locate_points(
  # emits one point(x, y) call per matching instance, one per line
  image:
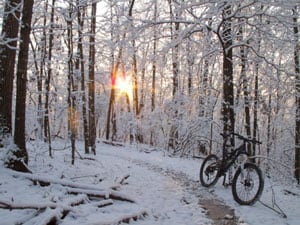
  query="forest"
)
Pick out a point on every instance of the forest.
point(171, 74)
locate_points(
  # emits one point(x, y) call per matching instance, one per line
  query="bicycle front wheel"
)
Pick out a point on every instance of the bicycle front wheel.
point(209, 171)
point(247, 184)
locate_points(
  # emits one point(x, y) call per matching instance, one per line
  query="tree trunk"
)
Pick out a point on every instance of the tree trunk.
point(255, 107)
point(71, 96)
point(297, 86)
point(41, 74)
point(173, 138)
point(134, 65)
point(133, 135)
point(190, 64)
point(153, 83)
point(245, 89)
point(114, 70)
point(20, 116)
point(92, 125)
point(79, 66)
point(10, 28)
point(228, 95)
point(47, 131)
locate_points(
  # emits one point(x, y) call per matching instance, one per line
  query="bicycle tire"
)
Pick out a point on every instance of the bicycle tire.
point(209, 162)
point(247, 184)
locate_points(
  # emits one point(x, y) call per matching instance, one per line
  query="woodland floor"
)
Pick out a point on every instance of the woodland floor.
point(128, 184)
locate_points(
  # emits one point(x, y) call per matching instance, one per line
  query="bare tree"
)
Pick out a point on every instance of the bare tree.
point(228, 94)
point(80, 71)
point(297, 85)
point(175, 70)
point(47, 129)
point(154, 68)
point(111, 116)
point(72, 86)
point(244, 84)
point(92, 53)
point(10, 28)
point(20, 116)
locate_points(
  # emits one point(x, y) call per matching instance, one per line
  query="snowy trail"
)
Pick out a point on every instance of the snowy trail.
point(166, 188)
point(174, 197)
point(218, 201)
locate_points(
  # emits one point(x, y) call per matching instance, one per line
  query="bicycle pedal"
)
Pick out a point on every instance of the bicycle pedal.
point(227, 184)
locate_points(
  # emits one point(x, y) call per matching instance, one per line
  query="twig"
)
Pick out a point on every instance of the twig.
point(103, 203)
point(124, 179)
point(279, 211)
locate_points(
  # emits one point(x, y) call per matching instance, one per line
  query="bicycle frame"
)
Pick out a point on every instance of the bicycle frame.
point(231, 157)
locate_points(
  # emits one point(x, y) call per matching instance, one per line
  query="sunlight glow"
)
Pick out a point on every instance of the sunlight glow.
point(123, 85)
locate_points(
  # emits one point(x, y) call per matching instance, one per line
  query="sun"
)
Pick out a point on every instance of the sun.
point(124, 85)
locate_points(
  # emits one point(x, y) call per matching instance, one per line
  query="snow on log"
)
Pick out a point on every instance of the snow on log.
point(11, 205)
point(102, 203)
point(49, 216)
point(48, 180)
point(127, 218)
point(102, 194)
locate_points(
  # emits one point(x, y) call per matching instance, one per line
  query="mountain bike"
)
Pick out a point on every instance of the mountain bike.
point(247, 183)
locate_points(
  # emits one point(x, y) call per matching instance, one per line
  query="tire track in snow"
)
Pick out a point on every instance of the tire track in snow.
point(215, 209)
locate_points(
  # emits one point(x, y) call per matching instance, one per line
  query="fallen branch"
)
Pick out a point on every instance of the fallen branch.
point(40, 179)
point(118, 184)
point(101, 194)
point(47, 213)
point(113, 143)
point(47, 217)
point(66, 205)
point(38, 206)
point(103, 203)
point(124, 179)
point(126, 218)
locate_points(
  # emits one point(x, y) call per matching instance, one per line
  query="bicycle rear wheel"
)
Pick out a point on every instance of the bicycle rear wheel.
point(247, 184)
point(209, 171)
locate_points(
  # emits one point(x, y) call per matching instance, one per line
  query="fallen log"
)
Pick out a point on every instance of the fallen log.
point(102, 194)
point(126, 218)
point(103, 203)
point(39, 179)
point(113, 143)
point(47, 213)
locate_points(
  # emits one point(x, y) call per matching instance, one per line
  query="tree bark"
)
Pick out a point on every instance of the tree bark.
point(71, 96)
point(47, 130)
point(243, 53)
point(10, 28)
point(79, 66)
point(41, 110)
point(297, 86)
point(114, 70)
point(20, 116)
point(92, 125)
point(153, 82)
point(228, 94)
point(134, 65)
point(173, 137)
point(255, 107)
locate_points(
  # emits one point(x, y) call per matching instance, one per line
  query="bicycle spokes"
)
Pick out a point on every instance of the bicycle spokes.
point(247, 184)
point(209, 171)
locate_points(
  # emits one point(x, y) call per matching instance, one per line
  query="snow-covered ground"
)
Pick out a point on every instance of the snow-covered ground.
point(145, 176)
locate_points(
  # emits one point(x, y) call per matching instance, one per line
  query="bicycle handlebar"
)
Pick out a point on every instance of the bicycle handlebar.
point(254, 141)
